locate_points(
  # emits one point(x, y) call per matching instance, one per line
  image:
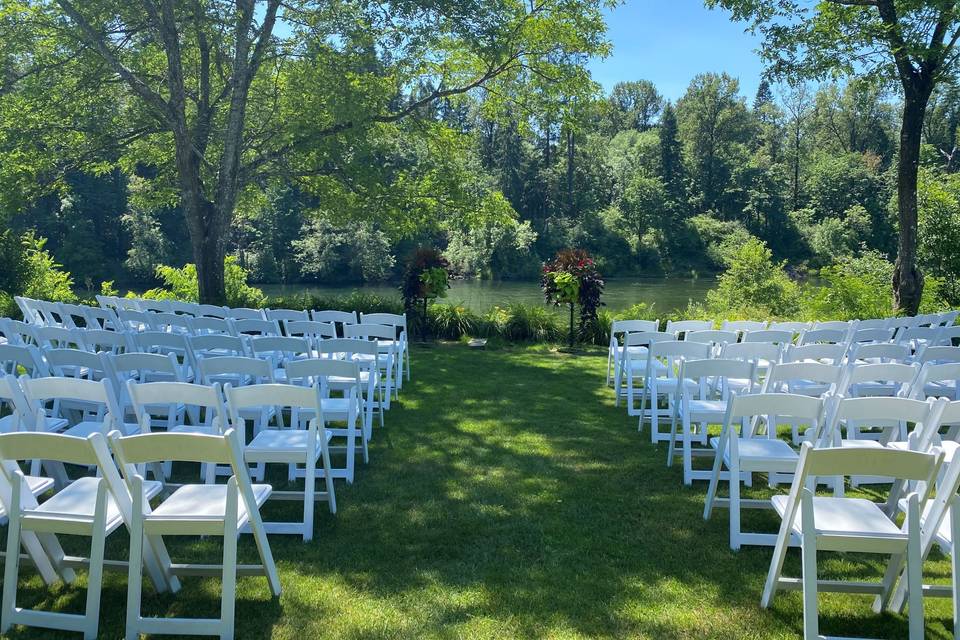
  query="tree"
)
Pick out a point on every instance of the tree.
point(643, 202)
point(217, 98)
point(671, 156)
point(798, 103)
point(635, 105)
point(714, 125)
point(911, 40)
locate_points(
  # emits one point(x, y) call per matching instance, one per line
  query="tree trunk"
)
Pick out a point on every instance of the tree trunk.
point(907, 279)
point(570, 169)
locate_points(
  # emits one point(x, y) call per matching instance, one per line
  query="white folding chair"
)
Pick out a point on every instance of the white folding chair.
point(861, 335)
point(937, 354)
point(714, 337)
point(19, 359)
point(256, 327)
point(773, 336)
point(402, 348)
point(164, 343)
point(212, 311)
point(633, 366)
point(341, 318)
point(242, 313)
point(660, 381)
point(384, 337)
point(824, 353)
point(59, 338)
point(747, 452)
point(618, 334)
point(703, 403)
point(347, 409)
point(280, 350)
point(885, 379)
point(812, 379)
point(793, 327)
point(742, 326)
point(301, 444)
point(937, 380)
point(204, 325)
point(680, 328)
point(312, 331)
point(98, 340)
point(171, 323)
point(850, 525)
point(89, 506)
point(286, 315)
point(194, 510)
point(823, 336)
point(20, 333)
point(363, 353)
point(876, 353)
point(833, 325)
point(184, 308)
point(154, 306)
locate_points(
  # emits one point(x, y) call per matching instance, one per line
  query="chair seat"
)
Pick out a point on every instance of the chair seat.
point(666, 385)
point(866, 444)
point(35, 485)
point(282, 441)
point(843, 517)
point(205, 502)
point(193, 428)
point(760, 449)
point(341, 380)
point(809, 388)
point(638, 364)
point(78, 499)
point(708, 406)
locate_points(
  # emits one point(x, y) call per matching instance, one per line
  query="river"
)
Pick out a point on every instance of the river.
point(667, 294)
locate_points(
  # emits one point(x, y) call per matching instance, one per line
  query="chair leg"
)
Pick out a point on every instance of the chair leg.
point(714, 481)
point(95, 578)
point(914, 569)
point(134, 571)
point(955, 565)
point(687, 453)
point(734, 484)
point(808, 550)
point(228, 595)
point(12, 567)
point(351, 448)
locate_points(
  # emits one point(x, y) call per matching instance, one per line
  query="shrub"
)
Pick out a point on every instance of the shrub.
point(754, 285)
point(571, 278)
point(523, 323)
point(452, 321)
point(182, 284)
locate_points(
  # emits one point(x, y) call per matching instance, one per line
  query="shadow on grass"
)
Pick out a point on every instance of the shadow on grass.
point(508, 497)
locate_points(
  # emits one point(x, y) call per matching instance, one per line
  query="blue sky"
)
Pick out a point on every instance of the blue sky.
point(670, 41)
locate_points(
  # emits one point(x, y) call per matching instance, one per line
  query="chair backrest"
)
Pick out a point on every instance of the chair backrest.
point(156, 306)
point(882, 411)
point(162, 342)
point(781, 375)
point(310, 329)
point(646, 338)
point(98, 340)
point(101, 318)
point(145, 367)
point(947, 374)
point(133, 320)
point(286, 315)
point(948, 318)
point(879, 352)
point(183, 308)
point(245, 313)
point(257, 327)
point(346, 347)
point(769, 335)
point(336, 317)
point(76, 314)
point(212, 311)
point(235, 370)
point(59, 338)
point(370, 331)
point(808, 410)
point(19, 332)
point(918, 336)
point(949, 336)
point(871, 335)
point(713, 336)
point(683, 327)
point(216, 344)
point(894, 379)
point(106, 302)
point(787, 325)
point(280, 349)
point(751, 351)
point(938, 354)
point(205, 325)
point(53, 314)
point(827, 353)
point(127, 304)
point(388, 319)
point(149, 396)
point(674, 350)
point(171, 322)
point(874, 323)
point(12, 395)
point(814, 336)
point(619, 327)
point(40, 391)
point(30, 313)
point(75, 363)
point(832, 325)
point(259, 396)
point(318, 370)
point(26, 356)
point(741, 326)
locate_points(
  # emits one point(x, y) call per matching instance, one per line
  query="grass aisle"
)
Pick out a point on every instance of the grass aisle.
point(508, 498)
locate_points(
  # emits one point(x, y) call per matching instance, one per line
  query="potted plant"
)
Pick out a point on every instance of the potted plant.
point(572, 279)
point(427, 277)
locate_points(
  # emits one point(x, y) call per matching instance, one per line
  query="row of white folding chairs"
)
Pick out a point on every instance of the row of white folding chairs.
point(915, 332)
point(748, 444)
point(264, 359)
point(636, 366)
point(118, 494)
point(303, 338)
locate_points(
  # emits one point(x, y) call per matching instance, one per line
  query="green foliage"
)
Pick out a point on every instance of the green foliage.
point(354, 251)
point(44, 278)
point(854, 288)
point(453, 321)
point(718, 240)
point(939, 229)
point(754, 285)
point(181, 284)
point(436, 281)
point(523, 323)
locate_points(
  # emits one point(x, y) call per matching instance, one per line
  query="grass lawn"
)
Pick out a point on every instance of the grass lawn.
point(508, 498)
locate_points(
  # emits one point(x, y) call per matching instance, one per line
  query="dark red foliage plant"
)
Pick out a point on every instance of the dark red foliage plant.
point(579, 264)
